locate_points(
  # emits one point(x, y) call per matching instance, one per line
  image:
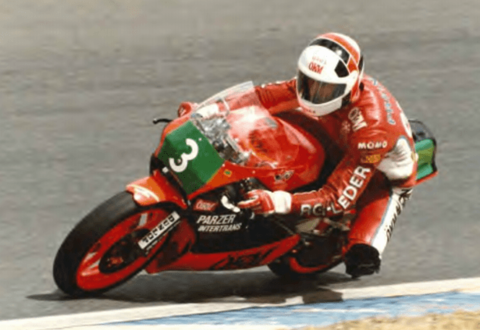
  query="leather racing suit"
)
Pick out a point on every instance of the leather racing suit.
point(375, 166)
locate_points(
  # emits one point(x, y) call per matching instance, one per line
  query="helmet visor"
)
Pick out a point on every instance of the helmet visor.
point(317, 92)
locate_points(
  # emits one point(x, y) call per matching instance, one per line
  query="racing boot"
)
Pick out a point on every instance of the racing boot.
point(362, 259)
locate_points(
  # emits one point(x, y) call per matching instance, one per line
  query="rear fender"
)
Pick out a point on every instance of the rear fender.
point(155, 189)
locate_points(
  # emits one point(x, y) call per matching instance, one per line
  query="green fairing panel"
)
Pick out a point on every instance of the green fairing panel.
point(190, 156)
point(426, 158)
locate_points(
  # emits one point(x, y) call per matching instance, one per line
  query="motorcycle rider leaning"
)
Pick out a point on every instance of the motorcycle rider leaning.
point(370, 135)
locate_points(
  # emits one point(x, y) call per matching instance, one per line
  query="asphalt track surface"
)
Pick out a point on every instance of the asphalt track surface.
point(81, 80)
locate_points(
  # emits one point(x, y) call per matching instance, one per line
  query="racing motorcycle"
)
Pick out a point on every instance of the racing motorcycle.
point(183, 216)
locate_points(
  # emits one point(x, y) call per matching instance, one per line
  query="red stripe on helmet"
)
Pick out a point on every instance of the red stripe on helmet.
point(352, 66)
point(345, 43)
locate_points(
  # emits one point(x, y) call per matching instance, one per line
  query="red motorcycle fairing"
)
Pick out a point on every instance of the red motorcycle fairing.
point(270, 140)
point(155, 189)
point(242, 259)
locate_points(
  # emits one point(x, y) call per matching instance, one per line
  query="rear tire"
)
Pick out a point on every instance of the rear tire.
point(283, 269)
point(101, 253)
point(321, 254)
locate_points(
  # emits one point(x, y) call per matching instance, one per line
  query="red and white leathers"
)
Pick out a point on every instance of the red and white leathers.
point(372, 140)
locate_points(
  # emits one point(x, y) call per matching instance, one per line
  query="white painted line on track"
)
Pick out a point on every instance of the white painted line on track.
point(119, 315)
point(185, 327)
point(413, 289)
point(156, 312)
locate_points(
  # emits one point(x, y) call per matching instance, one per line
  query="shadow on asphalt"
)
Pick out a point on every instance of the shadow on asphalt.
point(225, 287)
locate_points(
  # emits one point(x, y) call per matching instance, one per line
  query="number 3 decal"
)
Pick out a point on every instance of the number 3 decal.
point(184, 158)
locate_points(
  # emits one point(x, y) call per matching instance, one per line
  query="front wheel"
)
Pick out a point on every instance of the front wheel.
point(102, 251)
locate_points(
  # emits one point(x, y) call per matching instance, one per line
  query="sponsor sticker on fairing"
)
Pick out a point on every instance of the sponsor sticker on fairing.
point(218, 223)
point(205, 205)
point(165, 225)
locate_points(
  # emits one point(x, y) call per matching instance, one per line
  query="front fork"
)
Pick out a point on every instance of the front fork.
point(158, 190)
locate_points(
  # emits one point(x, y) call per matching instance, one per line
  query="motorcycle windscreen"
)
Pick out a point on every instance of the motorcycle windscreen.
point(266, 139)
point(190, 156)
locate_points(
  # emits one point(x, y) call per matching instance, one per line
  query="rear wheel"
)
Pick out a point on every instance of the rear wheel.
point(102, 251)
point(318, 255)
point(287, 268)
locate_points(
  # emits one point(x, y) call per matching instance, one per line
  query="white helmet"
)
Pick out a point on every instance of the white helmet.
point(329, 73)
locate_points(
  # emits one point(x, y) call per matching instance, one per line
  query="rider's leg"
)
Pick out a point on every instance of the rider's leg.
point(377, 212)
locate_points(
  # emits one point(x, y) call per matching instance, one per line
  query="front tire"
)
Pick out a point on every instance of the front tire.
point(101, 252)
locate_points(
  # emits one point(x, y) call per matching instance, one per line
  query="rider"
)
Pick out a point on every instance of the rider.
point(369, 135)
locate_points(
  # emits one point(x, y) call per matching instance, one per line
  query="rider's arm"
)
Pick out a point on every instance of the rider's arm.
point(347, 182)
point(341, 191)
point(275, 97)
point(278, 97)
